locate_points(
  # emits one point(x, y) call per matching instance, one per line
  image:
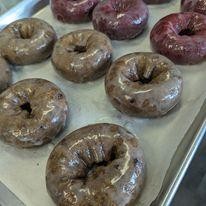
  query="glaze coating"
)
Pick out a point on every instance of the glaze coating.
point(32, 113)
point(120, 19)
point(156, 1)
point(181, 37)
point(6, 75)
point(71, 11)
point(143, 84)
point(83, 55)
point(27, 41)
point(100, 164)
point(194, 5)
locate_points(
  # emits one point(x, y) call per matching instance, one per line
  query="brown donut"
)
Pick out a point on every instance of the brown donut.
point(143, 84)
point(32, 113)
point(100, 164)
point(82, 55)
point(6, 75)
point(27, 41)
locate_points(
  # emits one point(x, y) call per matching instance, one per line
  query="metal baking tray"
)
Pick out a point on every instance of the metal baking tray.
point(169, 142)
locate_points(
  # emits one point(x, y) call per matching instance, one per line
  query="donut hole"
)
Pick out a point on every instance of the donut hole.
point(140, 75)
point(95, 165)
point(132, 101)
point(186, 32)
point(26, 107)
point(144, 80)
point(145, 70)
point(114, 153)
point(95, 168)
point(26, 31)
point(80, 49)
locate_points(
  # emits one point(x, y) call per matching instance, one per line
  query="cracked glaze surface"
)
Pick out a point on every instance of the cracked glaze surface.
point(27, 41)
point(143, 84)
point(120, 19)
point(100, 164)
point(32, 113)
point(82, 55)
point(6, 75)
point(194, 5)
point(73, 11)
point(181, 37)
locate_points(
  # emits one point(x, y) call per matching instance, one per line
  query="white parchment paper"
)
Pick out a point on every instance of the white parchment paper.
point(23, 171)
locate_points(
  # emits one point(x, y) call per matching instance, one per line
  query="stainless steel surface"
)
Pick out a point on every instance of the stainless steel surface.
point(24, 9)
point(5, 5)
point(182, 159)
point(7, 198)
point(186, 148)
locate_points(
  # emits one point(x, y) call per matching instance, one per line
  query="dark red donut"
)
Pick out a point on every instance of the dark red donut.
point(156, 1)
point(181, 37)
point(194, 5)
point(73, 11)
point(120, 19)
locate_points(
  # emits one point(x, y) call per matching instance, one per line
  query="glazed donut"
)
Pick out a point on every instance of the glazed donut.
point(143, 84)
point(27, 41)
point(194, 5)
point(71, 11)
point(181, 37)
point(120, 19)
point(6, 75)
point(32, 113)
point(156, 1)
point(82, 55)
point(100, 164)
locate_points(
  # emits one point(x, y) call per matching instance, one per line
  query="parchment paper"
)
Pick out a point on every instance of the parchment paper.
point(23, 171)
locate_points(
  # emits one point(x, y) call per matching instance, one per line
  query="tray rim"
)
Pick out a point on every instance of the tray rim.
point(23, 9)
point(195, 133)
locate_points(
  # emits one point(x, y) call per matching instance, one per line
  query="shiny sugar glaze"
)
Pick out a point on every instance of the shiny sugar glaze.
point(100, 164)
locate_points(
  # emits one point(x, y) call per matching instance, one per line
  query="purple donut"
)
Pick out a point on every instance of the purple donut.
point(73, 11)
point(194, 5)
point(181, 37)
point(120, 19)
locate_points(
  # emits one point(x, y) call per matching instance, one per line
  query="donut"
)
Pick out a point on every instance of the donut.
point(156, 1)
point(194, 5)
point(181, 37)
point(32, 113)
point(71, 11)
point(6, 75)
point(100, 164)
point(143, 84)
point(120, 19)
point(27, 41)
point(82, 56)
